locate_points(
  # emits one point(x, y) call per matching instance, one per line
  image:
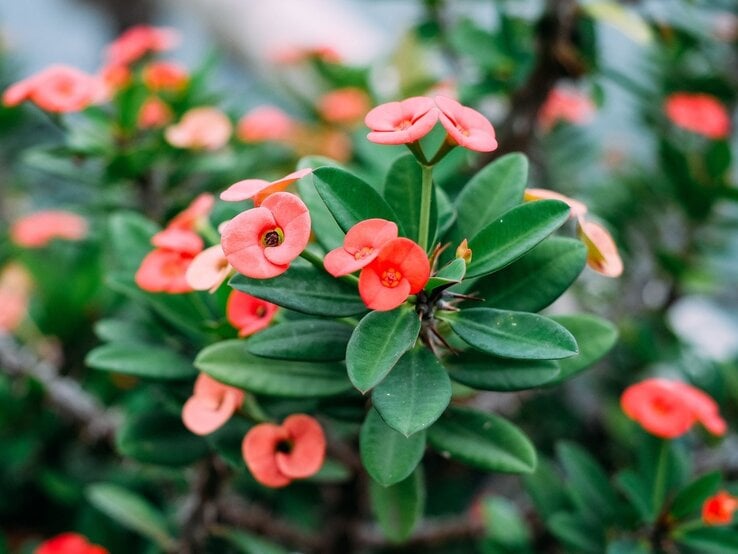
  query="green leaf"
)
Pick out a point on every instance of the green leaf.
point(326, 230)
point(595, 337)
point(123, 331)
point(482, 440)
point(129, 237)
point(547, 489)
point(518, 335)
point(378, 341)
point(574, 532)
point(495, 189)
point(691, 497)
point(711, 540)
point(159, 438)
point(505, 524)
point(448, 275)
point(311, 340)
point(305, 288)
point(535, 280)
point(398, 508)
point(131, 511)
point(388, 456)
point(481, 371)
point(628, 546)
point(248, 543)
point(637, 492)
point(403, 191)
point(348, 198)
point(230, 362)
point(513, 234)
point(414, 394)
point(142, 360)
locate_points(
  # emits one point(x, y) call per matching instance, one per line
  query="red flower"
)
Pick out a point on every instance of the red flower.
point(211, 405)
point(164, 269)
point(58, 89)
point(565, 104)
point(401, 122)
point(69, 543)
point(265, 123)
point(699, 113)
point(249, 314)
point(261, 242)
point(38, 229)
point(200, 129)
point(259, 189)
point(162, 75)
point(344, 106)
point(360, 247)
point(136, 42)
point(400, 269)
point(602, 252)
point(154, 113)
point(191, 217)
point(578, 209)
point(465, 126)
point(719, 509)
point(668, 409)
point(277, 454)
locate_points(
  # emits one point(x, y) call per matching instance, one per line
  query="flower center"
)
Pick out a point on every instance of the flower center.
point(260, 311)
point(363, 253)
point(391, 278)
point(404, 124)
point(273, 237)
point(463, 131)
point(284, 446)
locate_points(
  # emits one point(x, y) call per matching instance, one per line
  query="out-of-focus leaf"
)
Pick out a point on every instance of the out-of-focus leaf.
point(398, 508)
point(595, 337)
point(143, 360)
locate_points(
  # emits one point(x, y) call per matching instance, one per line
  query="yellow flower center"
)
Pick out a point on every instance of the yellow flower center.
point(391, 278)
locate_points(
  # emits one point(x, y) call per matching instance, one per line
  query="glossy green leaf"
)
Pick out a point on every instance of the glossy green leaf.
point(484, 372)
point(535, 280)
point(305, 288)
point(482, 440)
point(143, 360)
point(403, 191)
point(388, 456)
point(513, 234)
point(710, 540)
point(306, 339)
point(230, 362)
point(398, 508)
point(159, 438)
point(325, 228)
point(414, 394)
point(131, 511)
point(448, 275)
point(378, 341)
point(519, 335)
point(348, 198)
point(690, 498)
point(495, 189)
point(595, 337)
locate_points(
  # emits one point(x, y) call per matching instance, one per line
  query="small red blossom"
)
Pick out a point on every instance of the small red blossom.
point(344, 106)
point(668, 409)
point(164, 268)
point(69, 543)
point(602, 252)
point(208, 269)
point(265, 123)
point(38, 229)
point(249, 314)
point(115, 77)
point(195, 214)
point(277, 454)
point(466, 126)
point(179, 240)
point(154, 113)
point(578, 209)
point(138, 41)
point(202, 128)
point(401, 268)
point(163, 75)
point(58, 89)
point(401, 122)
point(699, 113)
point(360, 247)
point(211, 405)
point(565, 104)
point(259, 189)
point(261, 242)
point(719, 509)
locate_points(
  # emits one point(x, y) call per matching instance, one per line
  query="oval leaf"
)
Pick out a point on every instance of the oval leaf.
point(398, 508)
point(310, 340)
point(480, 371)
point(141, 360)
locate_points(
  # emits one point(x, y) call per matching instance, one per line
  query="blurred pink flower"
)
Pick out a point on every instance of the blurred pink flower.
point(203, 128)
point(602, 252)
point(15, 289)
point(195, 214)
point(58, 89)
point(699, 113)
point(154, 113)
point(265, 123)
point(466, 126)
point(578, 209)
point(401, 122)
point(208, 269)
point(136, 42)
point(296, 54)
point(211, 405)
point(344, 106)
point(40, 228)
point(565, 104)
point(164, 75)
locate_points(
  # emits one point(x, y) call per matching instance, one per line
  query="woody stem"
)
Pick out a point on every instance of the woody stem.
point(425, 206)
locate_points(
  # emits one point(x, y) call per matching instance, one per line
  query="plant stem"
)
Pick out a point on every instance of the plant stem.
point(425, 206)
point(662, 469)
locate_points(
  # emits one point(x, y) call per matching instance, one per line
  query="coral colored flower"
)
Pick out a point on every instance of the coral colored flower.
point(179, 240)
point(295, 54)
point(565, 104)
point(699, 113)
point(602, 252)
point(719, 509)
point(360, 247)
point(200, 129)
point(195, 214)
point(211, 405)
point(40, 228)
point(265, 123)
point(115, 77)
point(578, 209)
point(162, 75)
point(401, 122)
point(400, 269)
point(138, 41)
point(58, 89)
point(154, 113)
point(15, 289)
point(344, 106)
point(164, 268)
point(668, 409)
point(277, 454)
point(249, 314)
point(466, 126)
point(259, 189)
point(261, 242)
point(69, 543)
point(208, 269)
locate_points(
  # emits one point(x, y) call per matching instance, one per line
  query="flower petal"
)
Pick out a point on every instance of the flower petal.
point(258, 448)
point(308, 447)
